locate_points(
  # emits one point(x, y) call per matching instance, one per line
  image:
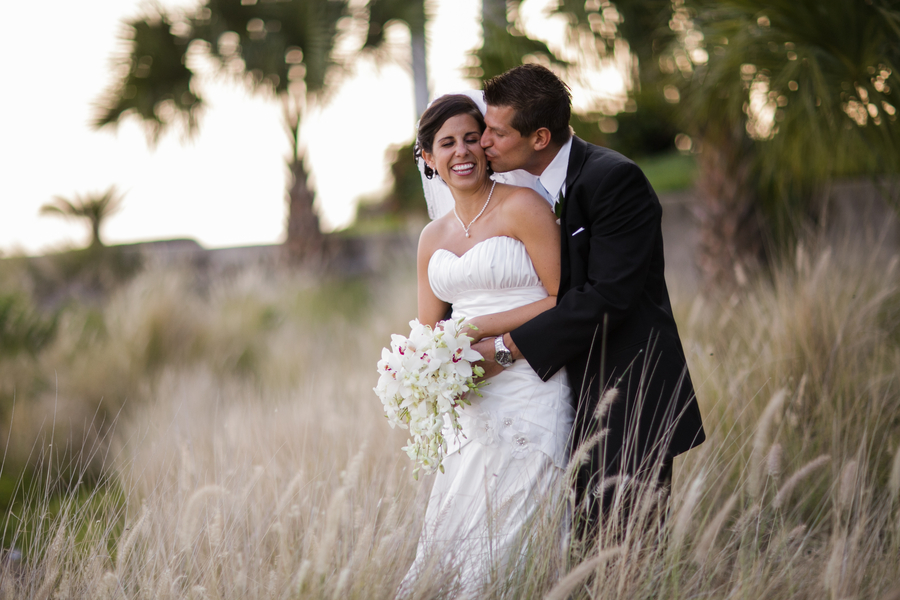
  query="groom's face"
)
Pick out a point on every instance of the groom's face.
point(504, 146)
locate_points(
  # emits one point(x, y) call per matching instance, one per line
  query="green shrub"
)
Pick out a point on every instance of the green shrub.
point(23, 329)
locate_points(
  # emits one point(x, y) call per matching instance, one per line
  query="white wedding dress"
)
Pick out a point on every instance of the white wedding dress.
point(516, 443)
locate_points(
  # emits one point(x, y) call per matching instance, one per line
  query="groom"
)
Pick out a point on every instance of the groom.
point(612, 327)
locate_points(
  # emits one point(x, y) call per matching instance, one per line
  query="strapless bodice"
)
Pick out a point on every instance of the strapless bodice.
point(515, 409)
point(494, 275)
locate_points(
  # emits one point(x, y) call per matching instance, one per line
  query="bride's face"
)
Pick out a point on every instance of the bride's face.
point(456, 154)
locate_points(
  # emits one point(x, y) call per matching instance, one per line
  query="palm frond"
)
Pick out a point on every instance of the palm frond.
point(644, 24)
point(156, 83)
point(505, 45)
point(270, 45)
point(382, 12)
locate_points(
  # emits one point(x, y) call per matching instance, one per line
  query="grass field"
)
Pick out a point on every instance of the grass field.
point(223, 441)
point(670, 172)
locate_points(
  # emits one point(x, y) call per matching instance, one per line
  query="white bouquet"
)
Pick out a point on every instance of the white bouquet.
point(424, 379)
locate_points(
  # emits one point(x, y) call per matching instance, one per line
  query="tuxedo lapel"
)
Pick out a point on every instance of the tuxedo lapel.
point(576, 161)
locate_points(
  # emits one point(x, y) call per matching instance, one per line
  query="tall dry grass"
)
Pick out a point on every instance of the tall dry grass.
point(275, 476)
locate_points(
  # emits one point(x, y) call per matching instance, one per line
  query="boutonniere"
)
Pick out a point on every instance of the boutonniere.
point(557, 208)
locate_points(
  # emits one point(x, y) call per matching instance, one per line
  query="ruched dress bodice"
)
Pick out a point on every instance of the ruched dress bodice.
point(516, 408)
point(494, 275)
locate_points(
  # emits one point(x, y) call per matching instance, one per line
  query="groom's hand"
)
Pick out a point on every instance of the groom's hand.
point(485, 347)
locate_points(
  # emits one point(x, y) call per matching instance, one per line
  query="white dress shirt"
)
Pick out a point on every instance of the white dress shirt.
point(553, 179)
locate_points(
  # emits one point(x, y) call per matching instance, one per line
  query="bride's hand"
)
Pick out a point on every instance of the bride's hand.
point(475, 331)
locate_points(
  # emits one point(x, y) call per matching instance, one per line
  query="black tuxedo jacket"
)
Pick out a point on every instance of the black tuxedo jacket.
point(613, 324)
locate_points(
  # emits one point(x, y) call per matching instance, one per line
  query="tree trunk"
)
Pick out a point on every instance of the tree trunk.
point(419, 68)
point(304, 237)
point(95, 233)
point(493, 12)
point(493, 21)
point(731, 245)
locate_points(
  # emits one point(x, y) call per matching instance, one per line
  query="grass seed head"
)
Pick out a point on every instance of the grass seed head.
point(708, 537)
point(577, 576)
point(784, 492)
point(848, 485)
point(894, 479)
point(607, 400)
point(760, 441)
point(685, 513)
point(773, 460)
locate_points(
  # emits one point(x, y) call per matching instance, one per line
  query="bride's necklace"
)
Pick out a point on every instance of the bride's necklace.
point(483, 208)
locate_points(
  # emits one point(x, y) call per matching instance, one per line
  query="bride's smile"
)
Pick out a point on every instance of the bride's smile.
point(463, 169)
point(457, 155)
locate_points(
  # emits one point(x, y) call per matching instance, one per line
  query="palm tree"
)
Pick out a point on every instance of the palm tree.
point(504, 44)
point(781, 97)
point(282, 49)
point(415, 15)
point(790, 95)
point(94, 208)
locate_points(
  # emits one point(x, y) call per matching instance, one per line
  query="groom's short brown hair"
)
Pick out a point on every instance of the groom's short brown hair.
point(539, 98)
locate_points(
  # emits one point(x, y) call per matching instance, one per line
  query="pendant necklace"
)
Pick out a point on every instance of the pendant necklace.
point(483, 208)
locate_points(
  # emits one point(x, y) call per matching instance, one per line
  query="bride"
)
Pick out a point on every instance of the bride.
point(493, 258)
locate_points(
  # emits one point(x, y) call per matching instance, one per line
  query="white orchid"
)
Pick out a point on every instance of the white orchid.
point(423, 379)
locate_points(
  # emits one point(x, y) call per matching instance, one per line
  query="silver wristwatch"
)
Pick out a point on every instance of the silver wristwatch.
point(502, 355)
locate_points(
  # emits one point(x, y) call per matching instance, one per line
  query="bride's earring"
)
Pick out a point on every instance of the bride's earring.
point(429, 172)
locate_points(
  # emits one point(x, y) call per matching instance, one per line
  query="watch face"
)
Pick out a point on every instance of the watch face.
point(503, 358)
point(501, 353)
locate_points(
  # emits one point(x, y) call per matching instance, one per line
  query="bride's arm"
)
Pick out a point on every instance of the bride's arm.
point(529, 219)
point(431, 308)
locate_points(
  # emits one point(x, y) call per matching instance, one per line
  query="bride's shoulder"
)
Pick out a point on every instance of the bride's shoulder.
point(525, 200)
point(524, 196)
point(432, 235)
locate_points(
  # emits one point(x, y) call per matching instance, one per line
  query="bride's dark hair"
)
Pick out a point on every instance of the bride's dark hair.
point(434, 117)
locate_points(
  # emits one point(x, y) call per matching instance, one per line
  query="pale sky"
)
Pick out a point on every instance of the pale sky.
point(226, 187)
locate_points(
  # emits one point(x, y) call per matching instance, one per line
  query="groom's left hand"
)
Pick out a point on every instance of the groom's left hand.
point(485, 347)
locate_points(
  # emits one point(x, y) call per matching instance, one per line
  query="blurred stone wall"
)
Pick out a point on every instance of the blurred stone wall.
point(857, 211)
